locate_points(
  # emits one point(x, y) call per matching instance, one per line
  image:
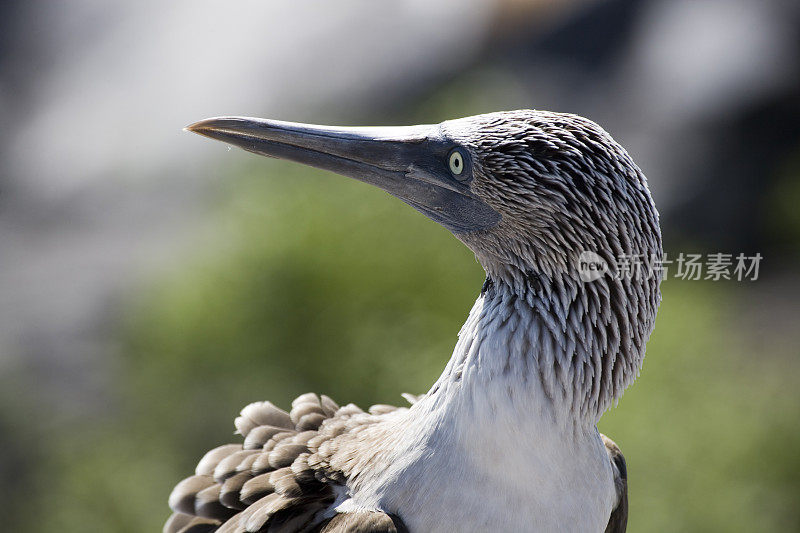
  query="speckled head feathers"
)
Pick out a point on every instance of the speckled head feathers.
point(562, 186)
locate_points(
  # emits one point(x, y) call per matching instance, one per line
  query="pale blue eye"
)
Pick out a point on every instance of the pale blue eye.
point(456, 163)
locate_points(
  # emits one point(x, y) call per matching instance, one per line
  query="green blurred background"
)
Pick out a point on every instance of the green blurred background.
point(283, 280)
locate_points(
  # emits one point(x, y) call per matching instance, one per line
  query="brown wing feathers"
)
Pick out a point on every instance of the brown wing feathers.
point(618, 522)
point(266, 483)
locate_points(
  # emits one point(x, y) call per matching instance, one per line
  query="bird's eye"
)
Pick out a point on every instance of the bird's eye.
point(456, 162)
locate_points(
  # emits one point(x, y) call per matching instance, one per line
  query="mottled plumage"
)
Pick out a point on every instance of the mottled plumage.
point(506, 439)
point(280, 476)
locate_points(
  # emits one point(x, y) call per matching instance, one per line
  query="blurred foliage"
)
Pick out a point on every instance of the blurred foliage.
point(313, 282)
point(489, 89)
point(709, 430)
point(782, 214)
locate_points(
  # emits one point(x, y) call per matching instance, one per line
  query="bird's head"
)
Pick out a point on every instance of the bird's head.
point(528, 191)
point(535, 195)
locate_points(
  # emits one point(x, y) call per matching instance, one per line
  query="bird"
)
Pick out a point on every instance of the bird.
point(506, 439)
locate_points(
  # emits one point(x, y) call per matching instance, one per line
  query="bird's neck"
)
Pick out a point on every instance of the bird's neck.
point(560, 347)
point(514, 411)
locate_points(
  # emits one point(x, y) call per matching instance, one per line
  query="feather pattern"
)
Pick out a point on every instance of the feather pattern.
point(506, 439)
point(291, 485)
point(277, 479)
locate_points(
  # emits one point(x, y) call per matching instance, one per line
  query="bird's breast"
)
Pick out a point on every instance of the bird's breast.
point(495, 479)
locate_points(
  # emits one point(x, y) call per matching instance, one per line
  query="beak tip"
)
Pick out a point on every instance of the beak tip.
point(215, 127)
point(196, 127)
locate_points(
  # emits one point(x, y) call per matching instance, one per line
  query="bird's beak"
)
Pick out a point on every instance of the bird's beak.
point(409, 162)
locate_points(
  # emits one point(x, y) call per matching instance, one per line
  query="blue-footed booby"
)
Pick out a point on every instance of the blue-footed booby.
point(506, 439)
